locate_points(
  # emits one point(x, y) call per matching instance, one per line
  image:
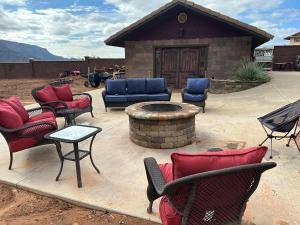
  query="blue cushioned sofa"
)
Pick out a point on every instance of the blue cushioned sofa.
point(196, 92)
point(122, 93)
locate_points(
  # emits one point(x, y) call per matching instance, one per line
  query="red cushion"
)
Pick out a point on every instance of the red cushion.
point(64, 92)
point(19, 144)
point(47, 94)
point(168, 214)
point(43, 115)
point(187, 164)
point(78, 103)
point(15, 103)
point(9, 118)
point(167, 171)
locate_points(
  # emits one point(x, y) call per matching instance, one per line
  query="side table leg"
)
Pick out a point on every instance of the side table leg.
point(91, 144)
point(77, 164)
point(58, 149)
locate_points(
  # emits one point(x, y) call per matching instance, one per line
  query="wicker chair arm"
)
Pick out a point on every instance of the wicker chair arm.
point(27, 126)
point(154, 175)
point(48, 104)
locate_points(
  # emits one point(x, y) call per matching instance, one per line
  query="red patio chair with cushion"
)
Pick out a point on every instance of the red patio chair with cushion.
point(207, 188)
point(63, 101)
point(23, 129)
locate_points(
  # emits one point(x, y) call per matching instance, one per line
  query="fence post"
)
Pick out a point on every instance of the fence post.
point(31, 61)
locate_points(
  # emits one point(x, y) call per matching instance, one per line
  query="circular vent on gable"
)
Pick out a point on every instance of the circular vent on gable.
point(182, 17)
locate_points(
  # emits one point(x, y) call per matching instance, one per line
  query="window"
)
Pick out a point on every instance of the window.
point(297, 39)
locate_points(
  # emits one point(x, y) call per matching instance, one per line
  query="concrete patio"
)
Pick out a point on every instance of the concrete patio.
point(230, 120)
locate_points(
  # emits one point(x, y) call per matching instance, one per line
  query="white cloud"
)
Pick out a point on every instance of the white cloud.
point(79, 30)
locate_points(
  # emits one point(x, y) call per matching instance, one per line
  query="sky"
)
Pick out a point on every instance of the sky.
point(78, 28)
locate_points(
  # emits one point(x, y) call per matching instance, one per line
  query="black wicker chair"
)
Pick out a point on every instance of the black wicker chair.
point(30, 135)
point(282, 123)
point(214, 197)
point(62, 109)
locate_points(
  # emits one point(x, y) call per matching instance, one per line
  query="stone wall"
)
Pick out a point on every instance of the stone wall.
point(224, 54)
point(229, 86)
point(51, 69)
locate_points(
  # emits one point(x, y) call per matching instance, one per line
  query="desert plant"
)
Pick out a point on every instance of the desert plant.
point(251, 71)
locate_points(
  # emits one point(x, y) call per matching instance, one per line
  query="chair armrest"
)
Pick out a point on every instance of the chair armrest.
point(169, 92)
point(39, 110)
point(27, 126)
point(48, 104)
point(103, 94)
point(205, 93)
point(154, 176)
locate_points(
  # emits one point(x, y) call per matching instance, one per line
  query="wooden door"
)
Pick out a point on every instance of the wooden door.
point(178, 64)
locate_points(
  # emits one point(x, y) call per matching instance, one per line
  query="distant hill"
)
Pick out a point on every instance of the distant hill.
point(18, 52)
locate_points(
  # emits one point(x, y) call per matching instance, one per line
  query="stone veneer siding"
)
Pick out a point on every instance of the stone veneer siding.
point(224, 54)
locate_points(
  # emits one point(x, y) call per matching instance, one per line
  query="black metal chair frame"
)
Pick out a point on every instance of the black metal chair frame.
point(199, 104)
point(17, 132)
point(157, 186)
point(68, 114)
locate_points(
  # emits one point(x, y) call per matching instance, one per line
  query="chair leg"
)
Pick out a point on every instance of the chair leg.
point(149, 209)
point(11, 160)
point(264, 141)
point(203, 109)
point(105, 109)
point(297, 144)
point(92, 114)
point(271, 156)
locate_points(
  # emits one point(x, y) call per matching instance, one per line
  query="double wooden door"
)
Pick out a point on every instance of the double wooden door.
point(178, 64)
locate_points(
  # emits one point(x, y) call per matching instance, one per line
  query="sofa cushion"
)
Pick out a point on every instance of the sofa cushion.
point(167, 171)
point(9, 118)
point(155, 85)
point(193, 97)
point(168, 214)
point(159, 97)
point(116, 98)
point(115, 87)
point(137, 98)
point(63, 92)
point(15, 103)
point(19, 144)
point(136, 86)
point(47, 94)
point(197, 85)
point(185, 164)
point(43, 115)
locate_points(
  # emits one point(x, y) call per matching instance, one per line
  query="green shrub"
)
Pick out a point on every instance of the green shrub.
point(251, 71)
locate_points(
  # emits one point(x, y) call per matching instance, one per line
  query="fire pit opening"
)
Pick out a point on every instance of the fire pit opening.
point(157, 107)
point(162, 124)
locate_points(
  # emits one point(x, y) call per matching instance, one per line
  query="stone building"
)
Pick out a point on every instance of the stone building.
point(182, 39)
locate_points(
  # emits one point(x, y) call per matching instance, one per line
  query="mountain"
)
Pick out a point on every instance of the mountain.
point(18, 52)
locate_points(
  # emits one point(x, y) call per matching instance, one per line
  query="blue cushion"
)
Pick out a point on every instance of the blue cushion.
point(136, 86)
point(115, 98)
point(197, 85)
point(155, 85)
point(159, 97)
point(115, 87)
point(137, 98)
point(193, 97)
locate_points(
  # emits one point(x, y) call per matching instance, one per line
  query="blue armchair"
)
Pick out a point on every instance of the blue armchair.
point(196, 92)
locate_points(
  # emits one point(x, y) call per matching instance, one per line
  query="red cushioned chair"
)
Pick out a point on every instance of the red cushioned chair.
point(23, 129)
point(63, 101)
point(216, 194)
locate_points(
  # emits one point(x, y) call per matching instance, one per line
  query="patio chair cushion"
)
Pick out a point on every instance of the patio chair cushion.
point(159, 97)
point(167, 171)
point(47, 94)
point(15, 103)
point(197, 85)
point(168, 214)
point(155, 85)
point(136, 86)
point(193, 97)
point(116, 98)
point(63, 92)
point(115, 87)
point(137, 98)
point(9, 118)
point(78, 103)
point(42, 116)
point(185, 164)
point(19, 144)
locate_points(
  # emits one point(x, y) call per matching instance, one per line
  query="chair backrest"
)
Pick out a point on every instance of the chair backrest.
point(197, 85)
point(215, 197)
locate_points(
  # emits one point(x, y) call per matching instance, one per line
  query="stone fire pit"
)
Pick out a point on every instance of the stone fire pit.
point(162, 125)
